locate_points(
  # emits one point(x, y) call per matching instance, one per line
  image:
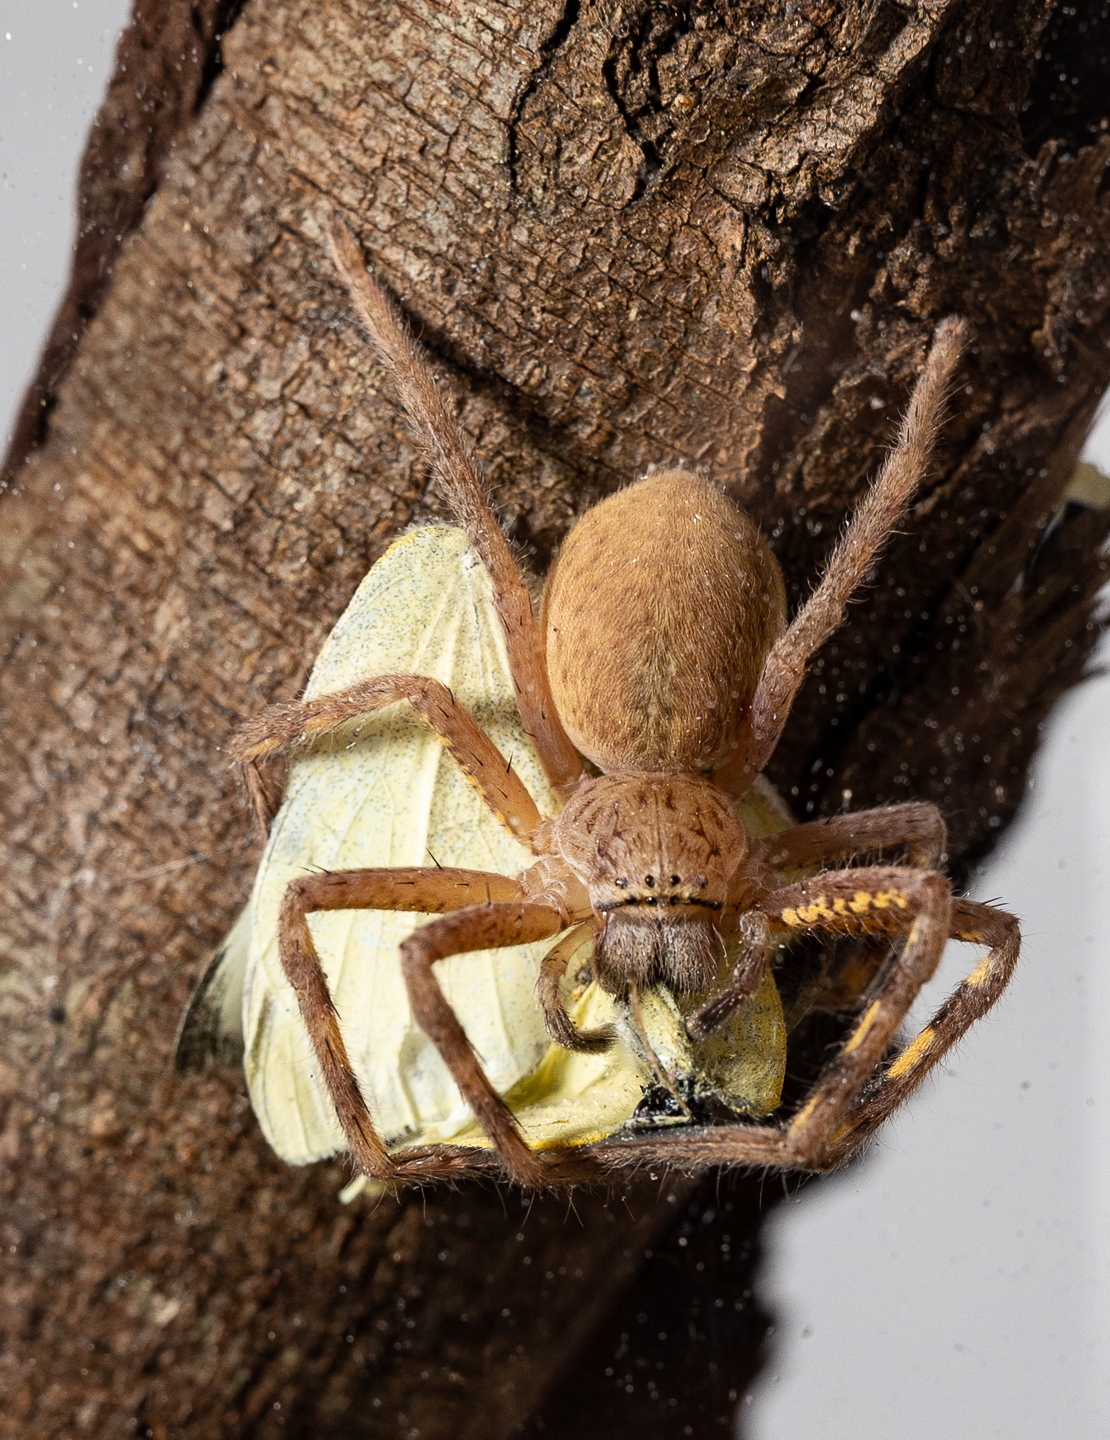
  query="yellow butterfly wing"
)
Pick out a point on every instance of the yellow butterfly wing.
point(384, 792)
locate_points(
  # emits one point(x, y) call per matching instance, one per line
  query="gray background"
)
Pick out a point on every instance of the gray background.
point(955, 1287)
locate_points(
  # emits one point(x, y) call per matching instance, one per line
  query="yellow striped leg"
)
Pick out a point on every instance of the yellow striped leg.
point(978, 924)
point(892, 900)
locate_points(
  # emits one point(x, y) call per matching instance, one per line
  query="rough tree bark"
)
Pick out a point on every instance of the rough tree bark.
point(702, 232)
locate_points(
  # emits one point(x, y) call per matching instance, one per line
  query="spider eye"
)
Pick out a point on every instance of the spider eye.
point(674, 879)
point(621, 882)
point(649, 880)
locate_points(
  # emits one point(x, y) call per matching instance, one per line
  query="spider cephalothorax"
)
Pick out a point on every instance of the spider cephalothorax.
point(656, 854)
point(665, 662)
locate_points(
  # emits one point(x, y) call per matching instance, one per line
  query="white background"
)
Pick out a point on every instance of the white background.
point(956, 1286)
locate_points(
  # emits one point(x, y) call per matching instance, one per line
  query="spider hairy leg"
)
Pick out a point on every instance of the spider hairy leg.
point(468, 745)
point(877, 514)
point(916, 827)
point(977, 924)
point(412, 888)
point(442, 441)
point(747, 976)
point(484, 927)
point(556, 1020)
point(871, 900)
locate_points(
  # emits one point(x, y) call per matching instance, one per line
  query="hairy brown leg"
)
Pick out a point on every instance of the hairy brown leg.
point(877, 514)
point(915, 827)
point(557, 1022)
point(892, 900)
point(479, 927)
point(747, 976)
point(978, 924)
point(448, 453)
point(265, 794)
point(430, 891)
point(470, 747)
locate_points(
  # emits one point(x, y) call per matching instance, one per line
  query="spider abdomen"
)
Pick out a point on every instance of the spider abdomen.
point(659, 613)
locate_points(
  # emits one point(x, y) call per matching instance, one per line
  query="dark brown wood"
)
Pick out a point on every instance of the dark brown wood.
point(709, 234)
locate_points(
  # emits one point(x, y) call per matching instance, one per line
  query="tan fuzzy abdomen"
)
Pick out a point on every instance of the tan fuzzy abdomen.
point(659, 613)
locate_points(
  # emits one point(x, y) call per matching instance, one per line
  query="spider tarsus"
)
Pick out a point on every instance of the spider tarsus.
point(711, 1017)
point(583, 1042)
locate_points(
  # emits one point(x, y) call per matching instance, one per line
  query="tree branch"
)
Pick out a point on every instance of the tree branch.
point(639, 235)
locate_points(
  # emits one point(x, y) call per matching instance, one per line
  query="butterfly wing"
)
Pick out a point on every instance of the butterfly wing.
point(384, 792)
